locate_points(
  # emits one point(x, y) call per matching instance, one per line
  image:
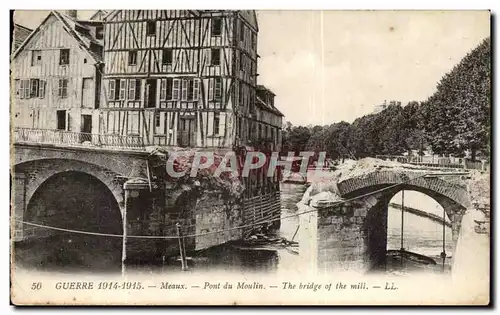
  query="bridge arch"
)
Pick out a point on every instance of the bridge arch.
point(36, 172)
point(364, 213)
point(435, 187)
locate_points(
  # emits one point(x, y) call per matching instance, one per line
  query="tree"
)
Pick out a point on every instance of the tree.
point(459, 112)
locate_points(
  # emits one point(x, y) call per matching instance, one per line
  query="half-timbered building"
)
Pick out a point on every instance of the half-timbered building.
point(56, 75)
point(180, 78)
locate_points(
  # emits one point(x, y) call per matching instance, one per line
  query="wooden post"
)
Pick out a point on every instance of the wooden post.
point(124, 238)
point(443, 254)
point(402, 224)
point(181, 249)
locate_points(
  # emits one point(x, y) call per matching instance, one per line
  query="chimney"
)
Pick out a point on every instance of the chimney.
point(72, 14)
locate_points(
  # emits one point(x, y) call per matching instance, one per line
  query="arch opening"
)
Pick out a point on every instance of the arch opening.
point(419, 230)
point(74, 201)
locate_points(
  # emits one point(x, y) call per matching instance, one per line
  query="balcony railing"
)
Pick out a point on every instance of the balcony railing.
point(62, 137)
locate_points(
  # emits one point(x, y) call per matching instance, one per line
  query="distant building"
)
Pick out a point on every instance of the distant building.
point(381, 107)
point(56, 75)
point(20, 33)
point(268, 120)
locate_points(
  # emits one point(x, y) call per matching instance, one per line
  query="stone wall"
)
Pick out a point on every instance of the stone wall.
point(213, 213)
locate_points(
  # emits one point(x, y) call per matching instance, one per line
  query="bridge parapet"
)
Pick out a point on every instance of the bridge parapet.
point(69, 138)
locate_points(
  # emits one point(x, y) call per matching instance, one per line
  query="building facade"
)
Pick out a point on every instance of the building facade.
point(181, 78)
point(56, 75)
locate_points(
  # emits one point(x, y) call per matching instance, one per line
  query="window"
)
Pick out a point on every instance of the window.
point(216, 26)
point(61, 120)
point(215, 89)
point(218, 88)
point(134, 89)
point(64, 57)
point(151, 28)
point(166, 57)
point(99, 32)
point(242, 31)
point(216, 123)
point(254, 41)
point(176, 89)
point(190, 89)
point(123, 89)
point(36, 57)
point(112, 89)
point(24, 89)
point(157, 119)
point(166, 89)
point(34, 87)
point(215, 56)
point(132, 58)
point(63, 88)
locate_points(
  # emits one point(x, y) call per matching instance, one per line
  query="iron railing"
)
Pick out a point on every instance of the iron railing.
point(62, 137)
point(428, 161)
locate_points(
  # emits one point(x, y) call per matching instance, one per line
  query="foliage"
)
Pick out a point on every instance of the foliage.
point(453, 120)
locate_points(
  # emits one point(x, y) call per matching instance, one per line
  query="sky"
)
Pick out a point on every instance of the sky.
point(331, 66)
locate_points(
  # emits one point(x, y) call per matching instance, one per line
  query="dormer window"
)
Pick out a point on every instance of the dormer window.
point(151, 28)
point(99, 32)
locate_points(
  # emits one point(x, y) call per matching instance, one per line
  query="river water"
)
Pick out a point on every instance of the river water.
point(88, 254)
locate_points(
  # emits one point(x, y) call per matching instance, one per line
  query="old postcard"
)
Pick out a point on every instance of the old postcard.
point(246, 157)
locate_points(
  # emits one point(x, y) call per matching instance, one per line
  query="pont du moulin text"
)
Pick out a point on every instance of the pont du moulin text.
point(238, 286)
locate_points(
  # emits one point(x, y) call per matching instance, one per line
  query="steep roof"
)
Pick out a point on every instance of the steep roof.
point(99, 15)
point(19, 36)
point(111, 14)
point(78, 31)
point(267, 107)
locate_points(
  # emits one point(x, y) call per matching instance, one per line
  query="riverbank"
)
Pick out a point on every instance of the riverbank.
point(421, 213)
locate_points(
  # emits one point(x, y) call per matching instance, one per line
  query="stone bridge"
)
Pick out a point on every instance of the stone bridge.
point(349, 230)
point(85, 188)
point(61, 182)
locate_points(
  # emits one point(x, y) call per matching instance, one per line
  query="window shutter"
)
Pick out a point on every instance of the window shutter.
point(42, 89)
point(218, 88)
point(176, 89)
point(112, 87)
point(163, 89)
point(27, 89)
point(123, 88)
point(211, 89)
point(131, 89)
point(210, 122)
point(60, 88)
point(196, 89)
point(137, 89)
point(222, 123)
point(184, 89)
